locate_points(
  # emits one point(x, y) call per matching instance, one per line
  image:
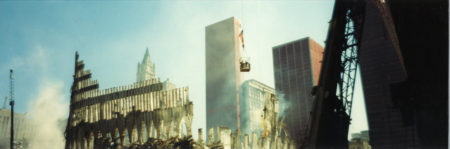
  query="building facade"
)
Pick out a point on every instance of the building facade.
point(360, 140)
point(359, 144)
point(223, 51)
point(256, 99)
point(361, 135)
point(146, 70)
point(297, 67)
point(22, 128)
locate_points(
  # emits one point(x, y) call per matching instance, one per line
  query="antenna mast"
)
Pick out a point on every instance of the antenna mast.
point(11, 102)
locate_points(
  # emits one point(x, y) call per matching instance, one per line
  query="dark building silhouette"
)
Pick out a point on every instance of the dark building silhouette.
point(297, 67)
point(382, 66)
point(422, 28)
point(404, 68)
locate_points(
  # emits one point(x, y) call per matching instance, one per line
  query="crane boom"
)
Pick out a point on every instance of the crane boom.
point(330, 116)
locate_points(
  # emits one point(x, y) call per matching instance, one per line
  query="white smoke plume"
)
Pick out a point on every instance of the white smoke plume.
point(48, 112)
point(283, 105)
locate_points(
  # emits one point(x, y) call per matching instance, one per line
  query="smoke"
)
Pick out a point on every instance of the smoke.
point(283, 105)
point(48, 112)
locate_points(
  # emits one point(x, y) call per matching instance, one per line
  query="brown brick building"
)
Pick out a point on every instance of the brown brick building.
point(297, 67)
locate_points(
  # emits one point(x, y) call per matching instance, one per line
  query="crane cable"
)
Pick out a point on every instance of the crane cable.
point(244, 56)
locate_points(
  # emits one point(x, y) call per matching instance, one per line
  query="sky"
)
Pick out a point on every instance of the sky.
point(39, 39)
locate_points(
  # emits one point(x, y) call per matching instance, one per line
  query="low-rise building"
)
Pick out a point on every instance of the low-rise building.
point(22, 128)
point(257, 103)
point(360, 140)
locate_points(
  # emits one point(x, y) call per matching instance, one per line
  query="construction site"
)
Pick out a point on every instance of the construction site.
point(149, 114)
point(400, 48)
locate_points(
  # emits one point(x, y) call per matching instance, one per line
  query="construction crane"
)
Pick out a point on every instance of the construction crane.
point(11, 103)
point(330, 116)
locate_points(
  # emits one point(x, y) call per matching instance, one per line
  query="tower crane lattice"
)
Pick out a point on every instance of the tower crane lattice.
point(333, 97)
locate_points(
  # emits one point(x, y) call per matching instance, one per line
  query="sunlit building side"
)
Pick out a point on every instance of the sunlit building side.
point(222, 54)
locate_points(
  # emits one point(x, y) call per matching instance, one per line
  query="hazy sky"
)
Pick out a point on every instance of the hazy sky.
point(39, 39)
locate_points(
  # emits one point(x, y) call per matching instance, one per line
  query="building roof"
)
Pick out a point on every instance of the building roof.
point(253, 81)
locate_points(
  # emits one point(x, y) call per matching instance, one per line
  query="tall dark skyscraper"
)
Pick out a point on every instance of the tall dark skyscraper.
point(297, 67)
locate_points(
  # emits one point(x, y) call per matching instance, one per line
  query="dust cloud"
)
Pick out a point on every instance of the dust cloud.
point(283, 105)
point(48, 111)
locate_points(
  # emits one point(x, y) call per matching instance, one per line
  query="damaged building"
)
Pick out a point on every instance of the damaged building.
point(126, 115)
point(255, 99)
point(22, 128)
point(268, 133)
point(236, 112)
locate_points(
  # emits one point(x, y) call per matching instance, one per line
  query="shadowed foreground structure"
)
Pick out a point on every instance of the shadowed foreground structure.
point(404, 68)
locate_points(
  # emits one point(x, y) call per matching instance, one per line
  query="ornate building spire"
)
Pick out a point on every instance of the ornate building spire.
point(146, 69)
